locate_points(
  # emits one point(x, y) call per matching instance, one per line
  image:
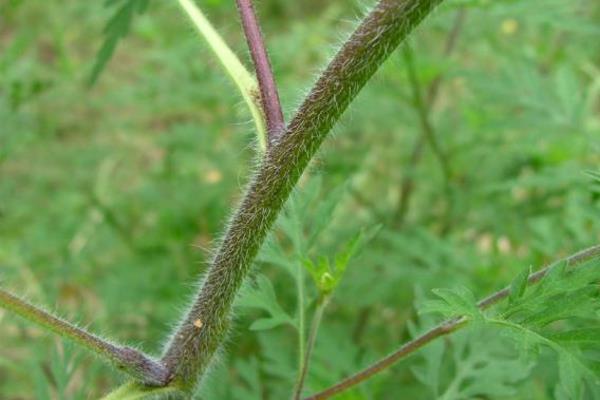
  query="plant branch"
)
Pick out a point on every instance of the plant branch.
point(129, 360)
point(407, 185)
point(202, 331)
point(301, 315)
point(449, 47)
point(243, 79)
point(266, 81)
point(310, 344)
point(424, 116)
point(445, 328)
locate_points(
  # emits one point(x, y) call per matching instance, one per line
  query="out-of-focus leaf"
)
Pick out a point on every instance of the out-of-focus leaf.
point(518, 285)
point(262, 296)
point(116, 29)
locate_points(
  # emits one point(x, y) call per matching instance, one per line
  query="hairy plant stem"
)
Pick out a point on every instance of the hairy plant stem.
point(266, 80)
point(136, 391)
point(445, 328)
point(322, 303)
point(131, 361)
point(202, 331)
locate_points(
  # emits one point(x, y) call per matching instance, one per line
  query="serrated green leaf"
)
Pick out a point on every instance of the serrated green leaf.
point(577, 336)
point(271, 253)
point(436, 306)
point(460, 300)
point(564, 306)
point(262, 296)
point(570, 378)
point(518, 285)
point(323, 214)
point(343, 257)
point(269, 323)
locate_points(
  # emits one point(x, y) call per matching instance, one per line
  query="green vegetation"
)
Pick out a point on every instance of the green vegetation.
point(468, 161)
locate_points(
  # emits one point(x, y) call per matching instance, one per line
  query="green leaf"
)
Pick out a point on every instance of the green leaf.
point(567, 305)
point(352, 247)
point(262, 296)
point(569, 376)
point(518, 285)
point(578, 336)
point(594, 175)
point(116, 29)
point(459, 301)
point(324, 213)
point(436, 307)
point(268, 323)
point(272, 253)
point(327, 276)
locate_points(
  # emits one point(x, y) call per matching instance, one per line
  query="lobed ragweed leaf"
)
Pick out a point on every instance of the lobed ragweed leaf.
point(518, 285)
point(455, 302)
point(578, 336)
point(568, 295)
point(262, 296)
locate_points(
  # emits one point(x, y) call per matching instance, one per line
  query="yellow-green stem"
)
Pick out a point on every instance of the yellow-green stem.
point(243, 79)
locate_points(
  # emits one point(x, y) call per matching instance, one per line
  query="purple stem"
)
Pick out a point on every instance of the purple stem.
point(266, 81)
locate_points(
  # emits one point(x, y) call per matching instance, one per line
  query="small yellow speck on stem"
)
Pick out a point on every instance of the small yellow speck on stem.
point(198, 323)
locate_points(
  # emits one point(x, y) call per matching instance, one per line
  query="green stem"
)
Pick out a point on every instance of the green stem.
point(131, 361)
point(301, 315)
point(312, 338)
point(243, 79)
point(202, 331)
point(135, 391)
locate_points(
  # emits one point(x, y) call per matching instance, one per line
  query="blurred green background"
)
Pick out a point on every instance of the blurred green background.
point(112, 196)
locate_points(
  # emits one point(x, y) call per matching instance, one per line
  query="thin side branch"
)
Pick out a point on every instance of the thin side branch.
point(444, 328)
point(204, 328)
point(129, 360)
point(424, 115)
point(407, 185)
point(266, 80)
point(310, 344)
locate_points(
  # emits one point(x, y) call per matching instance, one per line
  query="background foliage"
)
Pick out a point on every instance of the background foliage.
point(112, 195)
